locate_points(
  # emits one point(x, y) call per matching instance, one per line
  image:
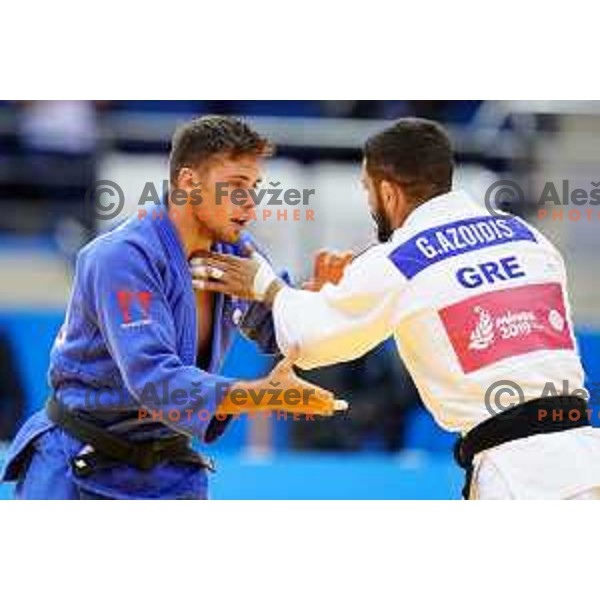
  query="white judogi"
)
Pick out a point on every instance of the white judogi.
point(471, 300)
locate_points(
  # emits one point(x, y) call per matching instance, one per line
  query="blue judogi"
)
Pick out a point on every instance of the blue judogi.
point(129, 341)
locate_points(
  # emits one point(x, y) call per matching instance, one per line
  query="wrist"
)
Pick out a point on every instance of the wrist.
point(263, 278)
point(274, 288)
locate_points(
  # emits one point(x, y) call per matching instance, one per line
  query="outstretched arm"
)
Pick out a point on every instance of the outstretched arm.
point(336, 324)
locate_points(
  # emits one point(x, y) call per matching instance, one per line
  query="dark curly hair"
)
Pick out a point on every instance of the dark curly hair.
point(414, 153)
point(200, 139)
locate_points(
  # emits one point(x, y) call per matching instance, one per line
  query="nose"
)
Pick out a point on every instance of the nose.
point(250, 210)
point(248, 206)
point(245, 206)
point(249, 203)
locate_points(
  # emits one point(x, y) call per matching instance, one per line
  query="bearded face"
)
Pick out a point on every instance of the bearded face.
point(382, 220)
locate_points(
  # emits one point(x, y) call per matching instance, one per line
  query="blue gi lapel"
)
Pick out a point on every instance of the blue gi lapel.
point(169, 235)
point(218, 324)
point(177, 258)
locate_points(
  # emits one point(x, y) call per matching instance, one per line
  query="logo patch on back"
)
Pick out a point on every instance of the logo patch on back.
point(507, 323)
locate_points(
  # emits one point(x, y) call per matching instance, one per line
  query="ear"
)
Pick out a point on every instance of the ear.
point(185, 178)
point(389, 194)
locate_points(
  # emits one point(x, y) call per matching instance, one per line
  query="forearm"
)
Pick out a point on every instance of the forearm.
point(325, 331)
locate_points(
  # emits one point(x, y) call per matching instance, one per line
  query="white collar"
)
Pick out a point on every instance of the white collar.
point(440, 209)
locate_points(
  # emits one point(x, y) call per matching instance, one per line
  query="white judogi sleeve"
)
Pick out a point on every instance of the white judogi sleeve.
point(344, 321)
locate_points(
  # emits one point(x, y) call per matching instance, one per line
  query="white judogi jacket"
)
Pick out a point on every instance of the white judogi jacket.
point(471, 300)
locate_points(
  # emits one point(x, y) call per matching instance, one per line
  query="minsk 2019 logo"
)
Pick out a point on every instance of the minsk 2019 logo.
point(509, 325)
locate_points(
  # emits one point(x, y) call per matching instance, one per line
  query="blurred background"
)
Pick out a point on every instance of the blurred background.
point(387, 446)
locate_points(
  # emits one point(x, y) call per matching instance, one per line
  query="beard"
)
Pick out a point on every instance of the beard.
point(382, 222)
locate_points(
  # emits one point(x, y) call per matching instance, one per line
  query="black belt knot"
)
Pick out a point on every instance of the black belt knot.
point(109, 449)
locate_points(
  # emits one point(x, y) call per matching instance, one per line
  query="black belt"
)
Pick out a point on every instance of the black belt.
point(109, 449)
point(520, 421)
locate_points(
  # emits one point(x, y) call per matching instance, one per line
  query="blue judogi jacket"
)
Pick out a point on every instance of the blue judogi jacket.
point(130, 341)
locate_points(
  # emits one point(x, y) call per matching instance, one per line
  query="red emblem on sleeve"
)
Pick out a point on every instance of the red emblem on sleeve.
point(134, 306)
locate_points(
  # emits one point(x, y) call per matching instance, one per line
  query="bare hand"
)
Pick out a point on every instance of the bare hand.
point(293, 394)
point(328, 268)
point(224, 273)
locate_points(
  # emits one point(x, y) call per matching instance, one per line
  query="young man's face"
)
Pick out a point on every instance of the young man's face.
point(227, 205)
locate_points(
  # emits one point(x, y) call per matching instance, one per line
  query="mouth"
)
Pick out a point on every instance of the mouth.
point(240, 222)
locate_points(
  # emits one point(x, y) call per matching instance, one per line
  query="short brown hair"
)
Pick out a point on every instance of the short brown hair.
point(200, 139)
point(414, 153)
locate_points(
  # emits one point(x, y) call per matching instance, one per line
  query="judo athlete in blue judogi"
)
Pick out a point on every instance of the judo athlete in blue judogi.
point(134, 369)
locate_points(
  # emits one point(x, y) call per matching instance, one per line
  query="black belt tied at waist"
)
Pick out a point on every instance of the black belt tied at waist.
point(109, 449)
point(517, 422)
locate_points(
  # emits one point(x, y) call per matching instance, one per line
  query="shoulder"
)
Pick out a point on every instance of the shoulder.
point(132, 236)
point(540, 238)
point(376, 267)
point(120, 249)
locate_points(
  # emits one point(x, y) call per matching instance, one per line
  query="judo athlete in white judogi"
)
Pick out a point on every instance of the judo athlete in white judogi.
point(478, 306)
